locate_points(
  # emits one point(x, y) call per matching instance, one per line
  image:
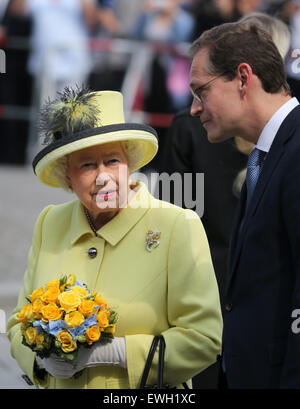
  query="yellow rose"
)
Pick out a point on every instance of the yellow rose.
point(71, 280)
point(87, 307)
point(92, 334)
point(39, 339)
point(30, 335)
point(67, 342)
point(102, 319)
point(53, 283)
point(69, 300)
point(51, 295)
point(26, 314)
point(103, 307)
point(111, 329)
point(37, 306)
point(74, 319)
point(82, 291)
point(51, 312)
point(99, 300)
point(36, 294)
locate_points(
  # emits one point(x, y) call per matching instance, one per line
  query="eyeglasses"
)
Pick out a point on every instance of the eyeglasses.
point(197, 92)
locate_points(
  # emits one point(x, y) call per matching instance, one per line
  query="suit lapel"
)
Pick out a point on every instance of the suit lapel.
point(273, 157)
point(238, 225)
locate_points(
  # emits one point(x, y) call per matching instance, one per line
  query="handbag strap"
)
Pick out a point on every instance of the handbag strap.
point(161, 362)
point(158, 339)
point(149, 361)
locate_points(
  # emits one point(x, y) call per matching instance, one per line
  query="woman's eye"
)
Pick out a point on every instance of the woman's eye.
point(113, 160)
point(87, 165)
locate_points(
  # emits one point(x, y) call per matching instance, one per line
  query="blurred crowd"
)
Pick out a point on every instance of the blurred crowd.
point(51, 44)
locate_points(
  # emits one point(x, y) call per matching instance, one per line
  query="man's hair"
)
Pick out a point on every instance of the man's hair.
point(231, 44)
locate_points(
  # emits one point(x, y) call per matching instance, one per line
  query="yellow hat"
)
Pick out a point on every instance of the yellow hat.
point(79, 119)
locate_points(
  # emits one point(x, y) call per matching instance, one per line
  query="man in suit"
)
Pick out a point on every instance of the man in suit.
point(239, 86)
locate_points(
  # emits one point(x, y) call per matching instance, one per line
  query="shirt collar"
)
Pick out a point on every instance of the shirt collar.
point(120, 225)
point(270, 130)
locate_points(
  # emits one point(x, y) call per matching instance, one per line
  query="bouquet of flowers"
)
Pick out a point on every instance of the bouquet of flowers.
point(64, 316)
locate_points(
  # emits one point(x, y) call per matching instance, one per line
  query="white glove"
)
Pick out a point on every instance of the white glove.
point(112, 353)
point(57, 367)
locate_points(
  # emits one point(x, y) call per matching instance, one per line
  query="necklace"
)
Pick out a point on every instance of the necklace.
point(90, 221)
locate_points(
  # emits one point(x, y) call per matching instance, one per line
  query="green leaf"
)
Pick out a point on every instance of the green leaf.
point(28, 300)
point(39, 348)
point(81, 339)
point(63, 280)
point(58, 344)
point(48, 339)
point(90, 297)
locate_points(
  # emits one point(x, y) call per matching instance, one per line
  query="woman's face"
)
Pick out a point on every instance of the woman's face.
point(99, 176)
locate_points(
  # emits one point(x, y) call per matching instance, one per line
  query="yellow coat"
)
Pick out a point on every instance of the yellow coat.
point(171, 290)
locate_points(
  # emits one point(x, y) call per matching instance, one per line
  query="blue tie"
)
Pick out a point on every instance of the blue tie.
point(254, 167)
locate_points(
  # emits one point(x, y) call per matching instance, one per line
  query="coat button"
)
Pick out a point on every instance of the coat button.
point(92, 252)
point(228, 307)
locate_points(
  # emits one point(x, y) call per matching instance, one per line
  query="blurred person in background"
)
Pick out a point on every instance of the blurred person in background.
point(15, 86)
point(166, 21)
point(187, 150)
point(109, 67)
point(60, 53)
point(128, 12)
point(292, 13)
point(107, 18)
point(211, 13)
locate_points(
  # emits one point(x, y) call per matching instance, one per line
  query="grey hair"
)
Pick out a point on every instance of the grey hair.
point(133, 152)
point(277, 29)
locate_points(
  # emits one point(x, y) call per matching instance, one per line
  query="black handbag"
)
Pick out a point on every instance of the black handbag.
point(158, 339)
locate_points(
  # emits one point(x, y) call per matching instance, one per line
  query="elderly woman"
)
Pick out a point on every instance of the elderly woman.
point(103, 238)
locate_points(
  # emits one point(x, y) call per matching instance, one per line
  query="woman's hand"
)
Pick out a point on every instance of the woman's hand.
point(112, 353)
point(57, 367)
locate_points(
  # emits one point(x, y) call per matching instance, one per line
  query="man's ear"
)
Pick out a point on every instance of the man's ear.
point(244, 73)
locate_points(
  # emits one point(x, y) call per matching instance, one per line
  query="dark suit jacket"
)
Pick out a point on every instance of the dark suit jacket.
point(263, 288)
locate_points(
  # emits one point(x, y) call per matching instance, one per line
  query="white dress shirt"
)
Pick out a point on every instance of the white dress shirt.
point(270, 130)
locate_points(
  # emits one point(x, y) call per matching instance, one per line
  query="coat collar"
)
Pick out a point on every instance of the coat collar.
point(119, 226)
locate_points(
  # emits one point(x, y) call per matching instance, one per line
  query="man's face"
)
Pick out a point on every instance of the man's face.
point(221, 108)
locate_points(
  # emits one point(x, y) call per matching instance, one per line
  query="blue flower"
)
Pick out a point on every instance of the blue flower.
point(78, 283)
point(56, 326)
point(80, 330)
point(52, 327)
point(41, 326)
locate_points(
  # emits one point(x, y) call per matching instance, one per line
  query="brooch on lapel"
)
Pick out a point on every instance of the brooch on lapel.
point(152, 239)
